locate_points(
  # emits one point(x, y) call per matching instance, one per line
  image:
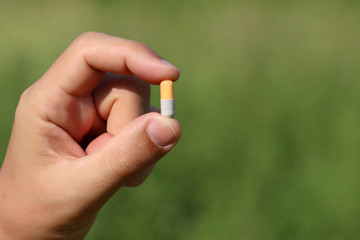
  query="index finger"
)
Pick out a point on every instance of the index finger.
point(83, 64)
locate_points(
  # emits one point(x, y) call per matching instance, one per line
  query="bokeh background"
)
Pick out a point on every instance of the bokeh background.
point(268, 100)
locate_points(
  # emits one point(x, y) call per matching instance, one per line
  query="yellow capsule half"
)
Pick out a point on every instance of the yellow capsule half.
point(167, 89)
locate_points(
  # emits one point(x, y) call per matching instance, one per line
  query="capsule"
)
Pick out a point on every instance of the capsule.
point(167, 101)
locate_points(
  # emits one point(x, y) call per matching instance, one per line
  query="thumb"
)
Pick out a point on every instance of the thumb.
point(136, 148)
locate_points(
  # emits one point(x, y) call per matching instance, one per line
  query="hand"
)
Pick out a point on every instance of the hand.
point(80, 134)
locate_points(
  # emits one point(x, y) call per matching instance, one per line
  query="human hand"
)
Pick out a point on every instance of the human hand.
point(80, 134)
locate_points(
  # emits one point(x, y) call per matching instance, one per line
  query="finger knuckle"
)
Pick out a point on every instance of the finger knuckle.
point(86, 36)
point(84, 40)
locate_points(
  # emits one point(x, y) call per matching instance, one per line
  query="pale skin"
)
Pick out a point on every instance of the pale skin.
point(80, 134)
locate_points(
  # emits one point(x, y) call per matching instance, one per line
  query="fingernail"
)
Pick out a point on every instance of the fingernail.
point(166, 62)
point(160, 131)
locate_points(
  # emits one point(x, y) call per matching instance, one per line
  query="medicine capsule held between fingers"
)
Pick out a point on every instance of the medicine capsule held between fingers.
point(167, 101)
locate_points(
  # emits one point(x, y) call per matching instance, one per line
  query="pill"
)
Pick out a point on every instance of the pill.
point(167, 101)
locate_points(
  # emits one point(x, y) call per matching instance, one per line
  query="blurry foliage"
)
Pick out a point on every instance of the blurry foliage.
point(268, 100)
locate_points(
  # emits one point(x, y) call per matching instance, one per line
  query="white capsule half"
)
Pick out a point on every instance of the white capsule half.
point(167, 107)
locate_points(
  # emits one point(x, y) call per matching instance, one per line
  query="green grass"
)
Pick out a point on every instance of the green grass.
point(268, 100)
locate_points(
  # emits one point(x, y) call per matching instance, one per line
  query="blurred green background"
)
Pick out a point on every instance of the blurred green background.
point(268, 100)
